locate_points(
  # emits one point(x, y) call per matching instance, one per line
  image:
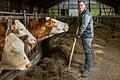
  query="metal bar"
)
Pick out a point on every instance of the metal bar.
point(14, 13)
point(8, 27)
point(89, 6)
point(36, 16)
point(25, 18)
point(10, 13)
point(27, 27)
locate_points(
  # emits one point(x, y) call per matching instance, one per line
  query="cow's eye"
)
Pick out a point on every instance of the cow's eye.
point(12, 30)
point(24, 57)
point(21, 29)
point(58, 29)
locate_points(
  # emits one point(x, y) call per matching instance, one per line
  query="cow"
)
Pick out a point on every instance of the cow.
point(13, 56)
point(20, 32)
point(58, 26)
point(3, 27)
point(19, 29)
point(46, 27)
point(2, 41)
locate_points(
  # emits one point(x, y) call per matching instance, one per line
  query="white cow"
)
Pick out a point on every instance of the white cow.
point(59, 27)
point(13, 56)
point(19, 29)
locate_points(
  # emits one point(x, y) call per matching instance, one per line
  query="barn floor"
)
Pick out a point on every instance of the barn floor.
point(53, 66)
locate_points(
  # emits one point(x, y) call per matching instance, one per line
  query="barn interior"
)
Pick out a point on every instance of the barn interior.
point(50, 57)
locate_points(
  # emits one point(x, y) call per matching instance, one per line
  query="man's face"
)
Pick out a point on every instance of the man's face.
point(81, 6)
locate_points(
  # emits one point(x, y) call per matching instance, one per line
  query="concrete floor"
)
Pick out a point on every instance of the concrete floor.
point(106, 58)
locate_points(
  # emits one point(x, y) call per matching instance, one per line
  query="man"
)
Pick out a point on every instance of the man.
point(86, 34)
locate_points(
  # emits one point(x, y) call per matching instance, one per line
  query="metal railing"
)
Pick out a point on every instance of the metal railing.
point(112, 21)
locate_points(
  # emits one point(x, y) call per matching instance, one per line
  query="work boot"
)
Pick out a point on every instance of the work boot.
point(85, 73)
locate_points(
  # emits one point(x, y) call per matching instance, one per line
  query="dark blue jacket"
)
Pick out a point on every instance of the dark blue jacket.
point(86, 25)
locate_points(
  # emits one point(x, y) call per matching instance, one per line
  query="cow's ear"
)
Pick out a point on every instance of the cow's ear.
point(24, 38)
point(50, 18)
point(13, 22)
point(13, 27)
point(47, 18)
point(53, 22)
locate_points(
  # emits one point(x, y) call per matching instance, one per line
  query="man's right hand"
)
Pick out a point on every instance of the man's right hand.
point(78, 36)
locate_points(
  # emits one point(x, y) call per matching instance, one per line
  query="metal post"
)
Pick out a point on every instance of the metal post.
point(27, 23)
point(14, 12)
point(9, 24)
point(58, 8)
point(89, 6)
point(104, 9)
point(8, 5)
point(8, 27)
point(36, 17)
point(68, 7)
point(99, 9)
point(24, 14)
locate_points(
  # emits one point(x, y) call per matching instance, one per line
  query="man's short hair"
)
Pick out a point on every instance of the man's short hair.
point(81, 1)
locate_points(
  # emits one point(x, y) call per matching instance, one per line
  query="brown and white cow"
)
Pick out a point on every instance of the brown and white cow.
point(19, 29)
point(46, 27)
point(3, 26)
point(13, 56)
point(58, 26)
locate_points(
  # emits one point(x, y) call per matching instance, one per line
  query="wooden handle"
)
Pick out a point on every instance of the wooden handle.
point(73, 47)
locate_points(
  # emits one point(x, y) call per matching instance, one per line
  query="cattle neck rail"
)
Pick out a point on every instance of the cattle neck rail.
point(24, 15)
point(35, 14)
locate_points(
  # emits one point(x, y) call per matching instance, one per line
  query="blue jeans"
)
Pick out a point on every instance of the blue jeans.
point(87, 46)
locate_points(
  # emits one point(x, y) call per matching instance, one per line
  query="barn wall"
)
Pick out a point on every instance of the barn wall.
point(4, 5)
point(17, 5)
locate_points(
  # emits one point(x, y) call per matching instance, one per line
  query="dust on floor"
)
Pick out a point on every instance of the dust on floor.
point(53, 66)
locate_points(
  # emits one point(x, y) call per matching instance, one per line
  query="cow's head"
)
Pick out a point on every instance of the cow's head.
point(19, 29)
point(14, 56)
point(58, 26)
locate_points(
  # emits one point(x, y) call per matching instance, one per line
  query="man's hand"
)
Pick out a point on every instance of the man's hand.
point(78, 36)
